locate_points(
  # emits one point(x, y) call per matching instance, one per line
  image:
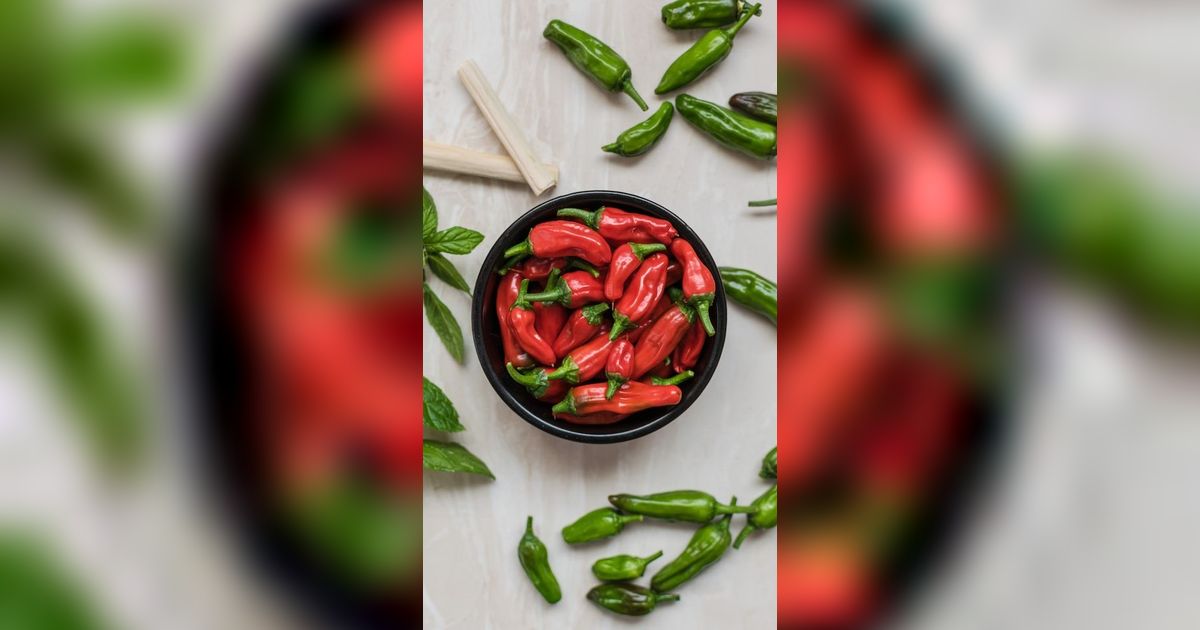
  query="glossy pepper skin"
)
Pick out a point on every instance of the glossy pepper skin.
point(632, 397)
point(766, 514)
point(692, 506)
point(732, 129)
point(506, 294)
point(699, 288)
point(572, 290)
point(657, 343)
point(625, 260)
point(523, 322)
point(550, 319)
point(685, 14)
point(628, 599)
point(707, 546)
point(761, 105)
point(624, 227)
point(598, 524)
point(645, 288)
point(704, 55)
point(752, 291)
point(594, 58)
point(536, 562)
point(770, 465)
point(538, 269)
point(687, 353)
point(622, 567)
point(642, 137)
point(558, 239)
point(582, 325)
point(665, 302)
point(538, 383)
point(583, 363)
point(619, 368)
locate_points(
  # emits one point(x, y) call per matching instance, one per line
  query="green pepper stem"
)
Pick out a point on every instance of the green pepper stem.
point(583, 265)
point(631, 518)
point(762, 203)
point(528, 380)
point(674, 380)
point(566, 405)
point(702, 304)
point(521, 302)
point(568, 371)
point(611, 148)
point(511, 262)
point(734, 508)
point(614, 383)
point(737, 544)
point(559, 293)
point(591, 218)
point(642, 249)
point(652, 557)
point(732, 31)
point(524, 248)
point(592, 314)
point(528, 525)
point(672, 597)
point(620, 324)
point(633, 94)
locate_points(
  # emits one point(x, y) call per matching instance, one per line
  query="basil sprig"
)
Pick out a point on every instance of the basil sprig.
point(435, 243)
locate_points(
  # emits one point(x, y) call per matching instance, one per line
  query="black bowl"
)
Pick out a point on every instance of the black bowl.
point(489, 349)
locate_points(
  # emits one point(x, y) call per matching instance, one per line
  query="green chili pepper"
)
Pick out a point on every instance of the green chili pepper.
point(597, 524)
point(766, 516)
point(770, 465)
point(536, 562)
point(677, 505)
point(707, 546)
point(752, 291)
point(628, 599)
point(704, 55)
point(685, 14)
point(641, 137)
point(761, 105)
point(594, 58)
point(623, 567)
point(674, 380)
point(732, 129)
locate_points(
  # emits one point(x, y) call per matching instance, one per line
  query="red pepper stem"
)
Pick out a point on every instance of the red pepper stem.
point(583, 265)
point(701, 304)
point(615, 381)
point(633, 94)
point(590, 218)
point(594, 313)
point(521, 302)
point(566, 405)
point(511, 262)
point(534, 381)
point(747, 13)
point(642, 249)
point(674, 380)
point(559, 293)
point(524, 248)
point(620, 325)
point(568, 371)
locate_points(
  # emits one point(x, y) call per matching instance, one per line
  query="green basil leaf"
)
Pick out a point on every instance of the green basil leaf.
point(456, 240)
point(444, 324)
point(437, 411)
point(36, 590)
point(429, 215)
point(444, 269)
point(451, 457)
point(123, 58)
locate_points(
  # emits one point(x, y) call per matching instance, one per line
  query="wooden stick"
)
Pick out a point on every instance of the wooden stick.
point(443, 157)
point(538, 178)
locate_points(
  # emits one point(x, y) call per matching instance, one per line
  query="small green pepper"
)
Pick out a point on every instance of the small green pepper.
point(536, 562)
point(704, 55)
point(770, 465)
point(685, 14)
point(678, 505)
point(597, 524)
point(622, 567)
point(594, 58)
point(761, 105)
point(766, 516)
point(641, 137)
point(752, 291)
point(707, 546)
point(732, 129)
point(628, 599)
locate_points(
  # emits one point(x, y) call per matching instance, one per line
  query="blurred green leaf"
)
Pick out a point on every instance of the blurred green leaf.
point(367, 249)
point(444, 269)
point(444, 324)
point(438, 412)
point(318, 96)
point(35, 591)
point(123, 58)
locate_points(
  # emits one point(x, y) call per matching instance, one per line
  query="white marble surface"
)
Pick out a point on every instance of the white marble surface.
point(471, 575)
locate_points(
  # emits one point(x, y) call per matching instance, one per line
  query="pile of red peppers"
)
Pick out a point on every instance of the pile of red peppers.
point(603, 313)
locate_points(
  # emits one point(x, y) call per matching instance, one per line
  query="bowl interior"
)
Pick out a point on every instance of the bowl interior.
point(489, 349)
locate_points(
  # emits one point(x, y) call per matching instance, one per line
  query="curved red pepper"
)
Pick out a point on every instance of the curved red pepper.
point(660, 340)
point(687, 353)
point(645, 289)
point(557, 239)
point(550, 319)
point(699, 288)
point(632, 397)
point(581, 326)
point(572, 290)
point(537, 382)
point(524, 327)
point(506, 294)
point(584, 363)
point(624, 227)
point(674, 273)
point(664, 303)
point(625, 261)
point(619, 368)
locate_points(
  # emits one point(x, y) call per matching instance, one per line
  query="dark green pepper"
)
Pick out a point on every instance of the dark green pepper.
point(732, 129)
point(623, 567)
point(770, 465)
point(536, 562)
point(752, 291)
point(597, 524)
point(704, 55)
point(628, 599)
point(761, 105)
point(594, 58)
point(678, 505)
point(641, 137)
point(707, 546)
point(685, 14)
point(765, 517)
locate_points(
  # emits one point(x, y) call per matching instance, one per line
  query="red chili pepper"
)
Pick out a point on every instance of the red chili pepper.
point(660, 340)
point(674, 273)
point(524, 326)
point(624, 227)
point(557, 239)
point(537, 269)
point(699, 288)
point(632, 397)
point(619, 368)
point(581, 326)
point(625, 261)
point(538, 383)
point(645, 289)
point(664, 303)
point(549, 319)
point(506, 294)
point(687, 353)
point(572, 290)
point(584, 363)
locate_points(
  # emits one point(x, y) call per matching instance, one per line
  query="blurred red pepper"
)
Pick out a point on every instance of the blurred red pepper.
point(624, 227)
point(625, 261)
point(632, 397)
point(558, 239)
point(581, 326)
point(699, 288)
point(645, 289)
point(619, 368)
